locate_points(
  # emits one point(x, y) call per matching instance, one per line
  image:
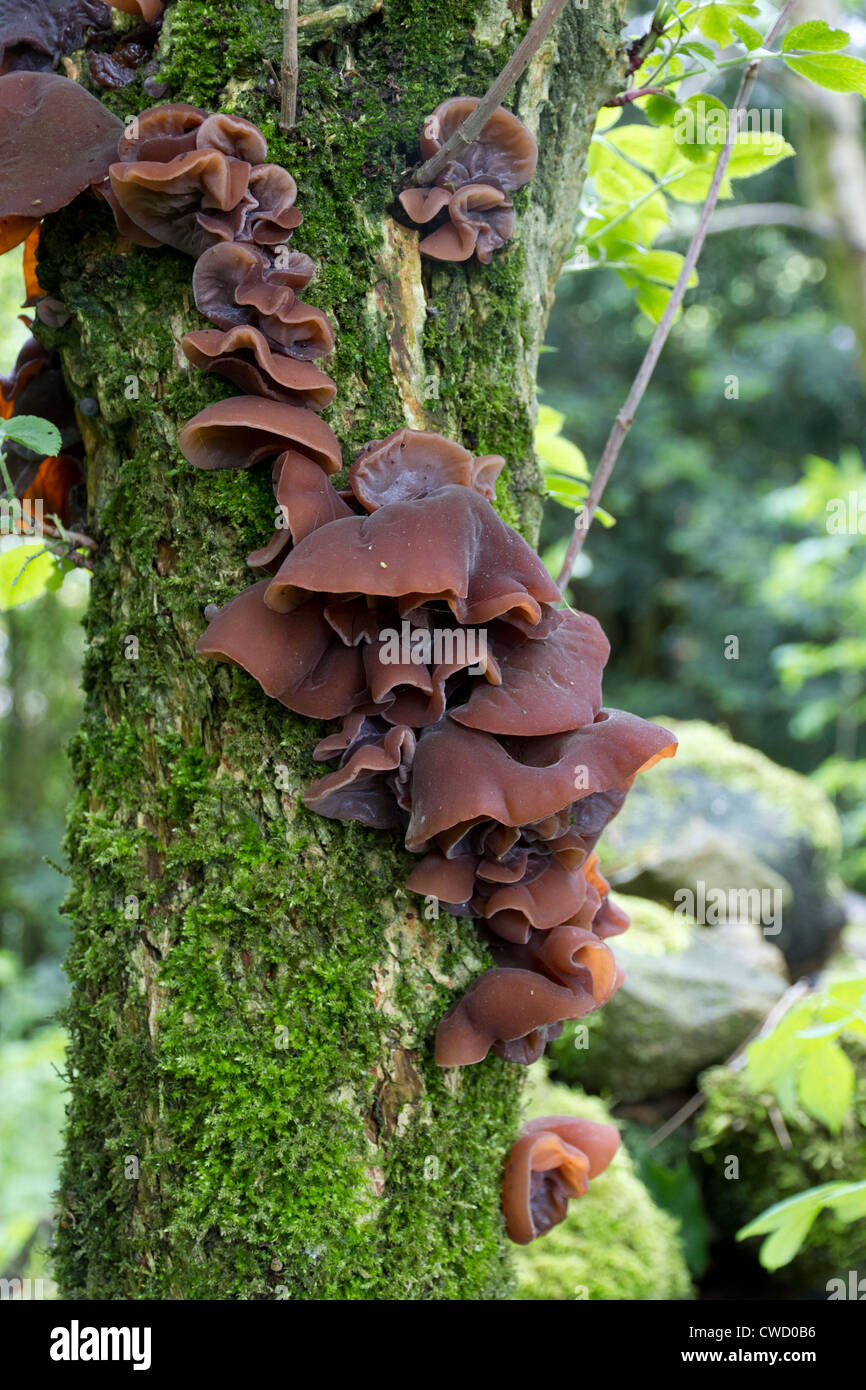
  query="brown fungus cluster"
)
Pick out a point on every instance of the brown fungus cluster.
point(470, 705)
point(470, 196)
point(404, 606)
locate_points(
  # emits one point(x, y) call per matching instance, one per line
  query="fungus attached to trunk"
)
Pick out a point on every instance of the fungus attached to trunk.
point(240, 431)
point(552, 1161)
point(473, 189)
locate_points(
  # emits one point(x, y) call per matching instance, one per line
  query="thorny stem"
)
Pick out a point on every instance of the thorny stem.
point(625, 417)
point(289, 68)
point(501, 86)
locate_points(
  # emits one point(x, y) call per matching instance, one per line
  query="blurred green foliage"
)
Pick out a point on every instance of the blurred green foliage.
point(759, 375)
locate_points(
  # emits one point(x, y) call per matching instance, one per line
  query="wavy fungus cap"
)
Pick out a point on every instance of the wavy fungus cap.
point(190, 202)
point(450, 545)
point(161, 132)
point(55, 141)
point(504, 154)
point(297, 658)
point(502, 1008)
point(531, 779)
point(233, 283)
point(552, 1161)
point(547, 687)
point(243, 356)
point(412, 463)
point(240, 431)
point(481, 220)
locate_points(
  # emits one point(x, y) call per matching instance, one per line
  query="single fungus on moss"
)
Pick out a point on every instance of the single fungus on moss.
point(470, 196)
point(553, 1160)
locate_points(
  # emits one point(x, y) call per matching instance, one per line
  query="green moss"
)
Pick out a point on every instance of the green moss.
point(735, 1124)
point(615, 1244)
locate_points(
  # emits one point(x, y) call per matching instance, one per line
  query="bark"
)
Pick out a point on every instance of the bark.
point(254, 1110)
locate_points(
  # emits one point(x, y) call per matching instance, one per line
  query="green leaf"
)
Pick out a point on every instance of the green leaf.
point(652, 300)
point(812, 1200)
point(747, 34)
point(815, 36)
point(781, 1247)
point(660, 110)
point(836, 71)
point(849, 1204)
point(34, 433)
point(657, 267)
point(826, 1084)
point(21, 581)
point(755, 151)
point(566, 491)
point(562, 456)
point(607, 117)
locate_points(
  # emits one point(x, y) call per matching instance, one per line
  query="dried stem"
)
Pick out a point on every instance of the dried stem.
point(736, 1061)
point(477, 120)
point(625, 418)
point(289, 68)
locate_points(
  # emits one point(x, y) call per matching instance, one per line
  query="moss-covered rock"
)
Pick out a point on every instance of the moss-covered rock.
point(615, 1244)
point(691, 996)
point(735, 1124)
point(723, 815)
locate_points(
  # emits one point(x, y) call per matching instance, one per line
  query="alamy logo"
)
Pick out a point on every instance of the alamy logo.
point(76, 1343)
point(21, 1288)
point(464, 646)
point(709, 907)
point(855, 1289)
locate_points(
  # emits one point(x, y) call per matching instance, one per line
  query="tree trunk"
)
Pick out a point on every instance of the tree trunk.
point(255, 1111)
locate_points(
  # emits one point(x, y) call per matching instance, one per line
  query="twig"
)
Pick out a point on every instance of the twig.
point(633, 93)
point(625, 418)
point(76, 539)
point(501, 86)
point(641, 48)
point(735, 1062)
point(289, 69)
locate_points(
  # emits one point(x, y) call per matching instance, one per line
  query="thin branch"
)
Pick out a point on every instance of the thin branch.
point(477, 120)
point(634, 92)
point(289, 68)
point(736, 1061)
point(625, 417)
point(642, 48)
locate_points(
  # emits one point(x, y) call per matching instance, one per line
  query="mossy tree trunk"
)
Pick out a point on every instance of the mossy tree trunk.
point(255, 1112)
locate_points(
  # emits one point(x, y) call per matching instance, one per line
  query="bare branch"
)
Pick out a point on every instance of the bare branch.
point(501, 86)
point(289, 68)
point(625, 418)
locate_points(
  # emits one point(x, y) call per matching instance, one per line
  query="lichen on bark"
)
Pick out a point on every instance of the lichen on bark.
point(254, 1109)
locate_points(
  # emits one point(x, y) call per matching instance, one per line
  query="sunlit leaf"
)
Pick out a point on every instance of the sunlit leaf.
point(838, 72)
point(815, 36)
point(23, 578)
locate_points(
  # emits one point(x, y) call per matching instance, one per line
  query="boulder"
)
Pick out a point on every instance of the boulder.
point(722, 831)
point(615, 1244)
point(691, 996)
